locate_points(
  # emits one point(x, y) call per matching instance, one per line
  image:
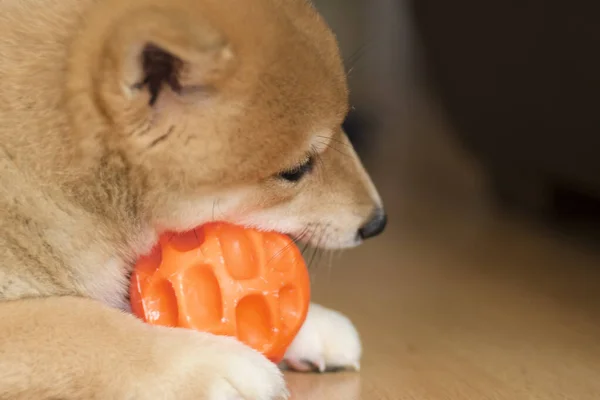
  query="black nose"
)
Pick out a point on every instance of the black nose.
point(374, 226)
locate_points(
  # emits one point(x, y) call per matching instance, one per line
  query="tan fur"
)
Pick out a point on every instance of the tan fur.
point(91, 173)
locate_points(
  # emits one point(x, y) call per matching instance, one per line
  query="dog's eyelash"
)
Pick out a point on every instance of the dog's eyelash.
point(298, 172)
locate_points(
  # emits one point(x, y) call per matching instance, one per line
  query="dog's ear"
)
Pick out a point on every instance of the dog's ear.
point(154, 50)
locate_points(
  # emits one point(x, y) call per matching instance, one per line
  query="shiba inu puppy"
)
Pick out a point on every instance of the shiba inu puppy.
point(122, 119)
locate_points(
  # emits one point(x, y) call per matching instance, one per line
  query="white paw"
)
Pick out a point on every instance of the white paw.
point(326, 341)
point(202, 366)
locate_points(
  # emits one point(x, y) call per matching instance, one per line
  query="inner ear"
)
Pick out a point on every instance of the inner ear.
point(161, 69)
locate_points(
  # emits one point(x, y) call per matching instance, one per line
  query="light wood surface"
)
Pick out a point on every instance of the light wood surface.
point(457, 308)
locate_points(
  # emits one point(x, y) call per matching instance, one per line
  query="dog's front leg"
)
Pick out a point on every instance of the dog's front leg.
point(326, 341)
point(76, 348)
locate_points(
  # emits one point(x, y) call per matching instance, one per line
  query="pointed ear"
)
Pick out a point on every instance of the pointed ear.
point(154, 50)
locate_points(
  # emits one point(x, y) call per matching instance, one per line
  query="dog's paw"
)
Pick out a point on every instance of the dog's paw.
point(327, 341)
point(192, 365)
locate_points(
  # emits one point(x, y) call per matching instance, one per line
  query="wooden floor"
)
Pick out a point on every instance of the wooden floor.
point(452, 306)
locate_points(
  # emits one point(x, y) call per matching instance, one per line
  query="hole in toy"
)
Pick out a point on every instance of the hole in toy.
point(290, 302)
point(187, 241)
point(160, 304)
point(280, 251)
point(239, 254)
point(201, 300)
point(254, 322)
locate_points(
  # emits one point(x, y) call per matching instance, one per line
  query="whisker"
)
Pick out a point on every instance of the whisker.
point(330, 265)
point(213, 208)
point(340, 141)
point(356, 56)
point(330, 146)
point(310, 231)
point(320, 166)
point(312, 258)
point(317, 247)
point(324, 142)
point(294, 241)
point(305, 248)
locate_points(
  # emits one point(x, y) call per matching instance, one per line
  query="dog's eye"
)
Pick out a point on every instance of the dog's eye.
point(298, 172)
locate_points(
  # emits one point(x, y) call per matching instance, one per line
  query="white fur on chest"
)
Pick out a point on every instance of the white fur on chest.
point(109, 279)
point(109, 283)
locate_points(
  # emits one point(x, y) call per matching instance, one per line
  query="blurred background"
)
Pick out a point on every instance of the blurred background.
point(478, 123)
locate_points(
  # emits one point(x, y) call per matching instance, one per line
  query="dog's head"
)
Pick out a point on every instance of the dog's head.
point(230, 111)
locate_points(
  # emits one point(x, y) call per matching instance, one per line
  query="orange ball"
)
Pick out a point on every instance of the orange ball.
point(226, 280)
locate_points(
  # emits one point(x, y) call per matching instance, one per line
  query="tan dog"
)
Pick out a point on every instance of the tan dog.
point(122, 119)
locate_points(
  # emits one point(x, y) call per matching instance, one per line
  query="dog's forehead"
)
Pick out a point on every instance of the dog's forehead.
point(284, 45)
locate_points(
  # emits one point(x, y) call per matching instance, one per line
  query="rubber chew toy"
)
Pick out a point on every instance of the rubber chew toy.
point(226, 280)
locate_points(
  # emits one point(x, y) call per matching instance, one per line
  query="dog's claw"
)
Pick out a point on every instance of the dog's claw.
point(326, 342)
point(320, 365)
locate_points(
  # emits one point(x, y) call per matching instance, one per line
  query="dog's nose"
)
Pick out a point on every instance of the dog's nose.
point(374, 226)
